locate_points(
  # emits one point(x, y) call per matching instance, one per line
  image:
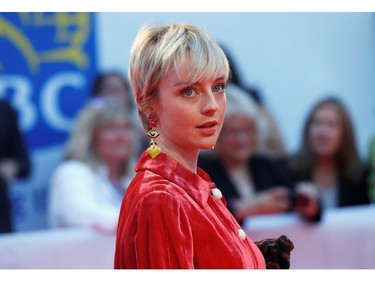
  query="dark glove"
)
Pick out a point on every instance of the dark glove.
point(276, 252)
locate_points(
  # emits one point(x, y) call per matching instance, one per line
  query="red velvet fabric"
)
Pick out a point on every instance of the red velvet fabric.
point(170, 220)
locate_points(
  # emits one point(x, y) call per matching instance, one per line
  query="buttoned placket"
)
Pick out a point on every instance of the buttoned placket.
point(215, 192)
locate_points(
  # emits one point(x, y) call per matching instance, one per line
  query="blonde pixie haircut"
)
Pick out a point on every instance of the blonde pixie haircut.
point(157, 49)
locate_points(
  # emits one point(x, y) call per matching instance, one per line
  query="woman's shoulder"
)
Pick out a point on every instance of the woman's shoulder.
point(148, 189)
point(145, 182)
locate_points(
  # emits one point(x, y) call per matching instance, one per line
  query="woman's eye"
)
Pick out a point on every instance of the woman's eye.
point(188, 92)
point(218, 88)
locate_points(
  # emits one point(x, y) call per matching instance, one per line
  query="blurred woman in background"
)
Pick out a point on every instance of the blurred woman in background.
point(328, 156)
point(88, 186)
point(113, 84)
point(270, 140)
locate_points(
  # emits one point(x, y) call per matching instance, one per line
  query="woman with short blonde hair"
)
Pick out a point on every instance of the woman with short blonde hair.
point(161, 48)
point(173, 216)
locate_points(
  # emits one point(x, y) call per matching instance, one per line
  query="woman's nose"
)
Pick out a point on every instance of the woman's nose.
point(210, 104)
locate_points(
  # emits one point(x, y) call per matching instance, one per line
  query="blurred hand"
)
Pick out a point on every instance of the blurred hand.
point(272, 201)
point(311, 192)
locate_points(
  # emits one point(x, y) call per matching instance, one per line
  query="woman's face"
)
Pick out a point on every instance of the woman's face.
point(113, 142)
point(238, 139)
point(326, 131)
point(190, 115)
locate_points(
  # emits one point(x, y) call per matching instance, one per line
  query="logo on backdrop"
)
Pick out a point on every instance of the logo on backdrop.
point(46, 63)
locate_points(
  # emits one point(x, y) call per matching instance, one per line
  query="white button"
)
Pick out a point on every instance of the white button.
point(217, 193)
point(241, 234)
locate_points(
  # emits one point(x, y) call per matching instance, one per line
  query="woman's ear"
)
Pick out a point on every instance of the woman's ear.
point(148, 110)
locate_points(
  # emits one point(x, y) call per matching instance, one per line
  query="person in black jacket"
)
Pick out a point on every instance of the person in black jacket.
point(14, 161)
point(252, 184)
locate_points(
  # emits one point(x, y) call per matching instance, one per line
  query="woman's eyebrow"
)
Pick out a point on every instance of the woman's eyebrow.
point(198, 83)
point(181, 83)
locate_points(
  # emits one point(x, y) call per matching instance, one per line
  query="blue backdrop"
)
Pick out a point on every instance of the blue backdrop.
point(47, 61)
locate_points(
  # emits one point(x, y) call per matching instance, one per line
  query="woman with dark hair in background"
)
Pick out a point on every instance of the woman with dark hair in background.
point(328, 156)
point(113, 84)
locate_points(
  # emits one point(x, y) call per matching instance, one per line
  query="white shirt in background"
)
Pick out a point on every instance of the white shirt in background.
point(79, 197)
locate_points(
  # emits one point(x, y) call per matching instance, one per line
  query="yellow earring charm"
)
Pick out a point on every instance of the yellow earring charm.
point(153, 149)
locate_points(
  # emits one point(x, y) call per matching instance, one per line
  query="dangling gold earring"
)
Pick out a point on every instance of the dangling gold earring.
point(153, 150)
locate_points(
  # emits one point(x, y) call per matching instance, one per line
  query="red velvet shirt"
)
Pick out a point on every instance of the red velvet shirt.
point(171, 219)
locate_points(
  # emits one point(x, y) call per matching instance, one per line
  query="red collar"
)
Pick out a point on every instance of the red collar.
point(198, 186)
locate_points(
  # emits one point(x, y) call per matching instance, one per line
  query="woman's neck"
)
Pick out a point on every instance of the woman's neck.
point(187, 158)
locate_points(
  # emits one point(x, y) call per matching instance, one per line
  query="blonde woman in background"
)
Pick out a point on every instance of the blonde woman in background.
point(88, 186)
point(270, 139)
point(113, 84)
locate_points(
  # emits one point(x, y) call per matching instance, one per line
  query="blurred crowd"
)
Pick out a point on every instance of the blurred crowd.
point(249, 163)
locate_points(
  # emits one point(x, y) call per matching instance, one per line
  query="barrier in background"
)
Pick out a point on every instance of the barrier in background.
point(57, 249)
point(345, 239)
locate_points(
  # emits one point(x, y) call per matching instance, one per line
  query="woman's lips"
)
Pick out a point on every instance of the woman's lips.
point(208, 128)
point(209, 124)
